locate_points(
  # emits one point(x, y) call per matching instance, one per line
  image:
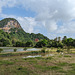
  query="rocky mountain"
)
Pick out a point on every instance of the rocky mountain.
point(9, 23)
point(11, 30)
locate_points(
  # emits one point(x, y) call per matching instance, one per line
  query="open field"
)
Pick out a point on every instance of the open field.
point(52, 65)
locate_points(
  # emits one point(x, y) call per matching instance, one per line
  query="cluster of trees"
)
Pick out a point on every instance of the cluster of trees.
point(5, 38)
point(65, 42)
point(19, 39)
point(23, 44)
point(14, 39)
point(57, 42)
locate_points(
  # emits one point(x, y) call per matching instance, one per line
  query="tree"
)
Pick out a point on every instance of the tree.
point(1, 50)
point(15, 50)
point(18, 44)
point(60, 44)
point(59, 39)
point(29, 44)
point(1, 44)
point(42, 43)
point(59, 50)
point(69, 43)
point(49, 43)
point(64, 38)
point(55, 39)
point(5, 41)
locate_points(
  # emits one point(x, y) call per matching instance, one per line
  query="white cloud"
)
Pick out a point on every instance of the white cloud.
point(49, 12)
point(27, 23)
point(51, 25)
point(69, 27)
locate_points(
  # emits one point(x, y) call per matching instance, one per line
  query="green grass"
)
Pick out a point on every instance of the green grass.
point(52, 65)
point(67, 56)
point(6, 63)
point(47, 68)
point(62, 64)
point(72, 64)
point(33, 62)
point(48, 58)
point(38, 58)
point(19, 53)
point(23, 70)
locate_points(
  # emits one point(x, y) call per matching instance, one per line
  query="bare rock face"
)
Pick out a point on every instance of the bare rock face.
point(11, 24)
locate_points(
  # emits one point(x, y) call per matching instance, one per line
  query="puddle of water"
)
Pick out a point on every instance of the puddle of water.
point(38, 56)
point(49, 55)
point(19, 49)
point(32, 56)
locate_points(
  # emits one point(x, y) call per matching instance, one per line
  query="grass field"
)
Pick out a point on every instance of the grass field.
point(51, 65)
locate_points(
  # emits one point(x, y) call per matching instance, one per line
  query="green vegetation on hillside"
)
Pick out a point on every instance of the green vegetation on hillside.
point(19, 38)
point(6, 20)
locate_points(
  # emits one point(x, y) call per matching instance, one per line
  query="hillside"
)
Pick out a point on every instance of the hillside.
point(11, 30)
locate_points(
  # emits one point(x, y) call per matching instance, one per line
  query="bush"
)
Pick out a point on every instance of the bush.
point(15, 50)
point(1, 50)
point(59, 50)
point(25, 49)
point(43, 50)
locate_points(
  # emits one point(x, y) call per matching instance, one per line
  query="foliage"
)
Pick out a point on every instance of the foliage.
point(15, 50)
point(25, 49)
point(29, 44)
point(1, 50)
point(59, 50)
point(19, 44)
point(43, 50)
point(42, 43)
point(4, 21)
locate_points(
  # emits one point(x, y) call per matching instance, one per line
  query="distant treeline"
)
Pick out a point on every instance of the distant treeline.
point(18, 40)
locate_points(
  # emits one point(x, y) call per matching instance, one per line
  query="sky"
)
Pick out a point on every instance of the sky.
point(52, 18)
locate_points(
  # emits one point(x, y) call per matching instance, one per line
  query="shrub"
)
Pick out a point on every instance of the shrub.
point(15, 50)
point(59, 50)
point(43, 50)
point(25, 49)
point(52, 48)
point(1, 50)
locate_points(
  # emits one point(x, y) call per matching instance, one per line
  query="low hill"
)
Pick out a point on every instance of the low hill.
point(10, 29)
